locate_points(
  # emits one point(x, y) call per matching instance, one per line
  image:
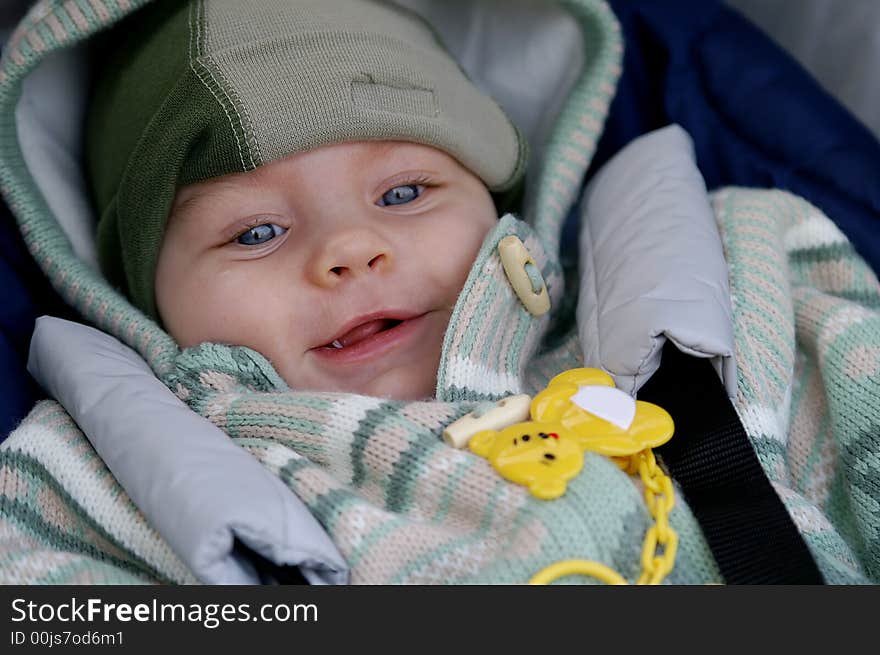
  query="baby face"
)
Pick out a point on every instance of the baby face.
point(341, 265)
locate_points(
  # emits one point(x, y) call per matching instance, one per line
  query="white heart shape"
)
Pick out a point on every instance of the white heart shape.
point(608, 403)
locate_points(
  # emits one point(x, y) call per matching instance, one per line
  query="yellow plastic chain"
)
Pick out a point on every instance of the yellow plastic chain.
point(580, 410)
point(661, 541)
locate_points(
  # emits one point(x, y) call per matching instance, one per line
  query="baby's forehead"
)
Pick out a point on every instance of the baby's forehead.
point(342, 161)
point(369, 154)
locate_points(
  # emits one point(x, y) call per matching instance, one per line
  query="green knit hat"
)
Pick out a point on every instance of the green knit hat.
point(187, 90)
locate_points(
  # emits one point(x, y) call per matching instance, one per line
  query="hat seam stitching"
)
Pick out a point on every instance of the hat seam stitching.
point(200, 62)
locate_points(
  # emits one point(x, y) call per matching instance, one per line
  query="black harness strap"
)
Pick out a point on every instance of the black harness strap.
point(745, 523)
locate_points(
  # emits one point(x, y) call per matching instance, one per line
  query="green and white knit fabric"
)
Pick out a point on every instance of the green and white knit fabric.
point(402, 506)
point(807, 328)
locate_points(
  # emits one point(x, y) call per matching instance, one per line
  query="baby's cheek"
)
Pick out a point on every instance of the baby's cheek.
point(467, 253)
point(201, 309)
point(458, 249)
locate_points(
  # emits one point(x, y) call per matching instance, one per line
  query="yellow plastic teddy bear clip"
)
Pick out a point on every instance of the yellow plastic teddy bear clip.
point(542, 456)
point(579, 410)
point(605, 419)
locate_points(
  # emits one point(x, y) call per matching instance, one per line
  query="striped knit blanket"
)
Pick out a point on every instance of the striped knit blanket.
point(401, 505)
point(405, 508)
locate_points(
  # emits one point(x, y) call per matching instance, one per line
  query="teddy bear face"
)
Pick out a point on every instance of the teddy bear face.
point(540, 456)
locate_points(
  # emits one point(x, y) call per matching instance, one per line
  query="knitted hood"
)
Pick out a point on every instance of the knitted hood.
point(558, 100)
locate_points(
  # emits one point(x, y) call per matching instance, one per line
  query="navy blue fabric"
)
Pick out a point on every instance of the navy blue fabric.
point(757, 118)
point(26, 295)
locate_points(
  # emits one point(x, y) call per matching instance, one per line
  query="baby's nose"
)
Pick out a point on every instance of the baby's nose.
point(350, 253)
point(340, 270)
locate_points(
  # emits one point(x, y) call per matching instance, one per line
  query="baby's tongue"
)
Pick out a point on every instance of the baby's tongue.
point(364, 330)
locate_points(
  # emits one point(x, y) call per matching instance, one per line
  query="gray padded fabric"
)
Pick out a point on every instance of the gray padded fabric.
point(213, 502)
point(652, 265)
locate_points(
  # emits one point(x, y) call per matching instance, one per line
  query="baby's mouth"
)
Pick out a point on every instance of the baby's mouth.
point(374, 336)
point(361, 332)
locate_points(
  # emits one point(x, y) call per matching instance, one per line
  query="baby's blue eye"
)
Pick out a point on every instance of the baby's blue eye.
point(400, 195)
point(260, 234)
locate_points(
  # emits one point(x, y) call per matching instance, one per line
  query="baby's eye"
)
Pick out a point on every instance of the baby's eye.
point(400, 195)
point(260, 234)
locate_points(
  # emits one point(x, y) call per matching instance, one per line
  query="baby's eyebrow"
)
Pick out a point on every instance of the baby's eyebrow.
point(396, 149)
point(179, 209)
point(210, 192)
point(390, 147)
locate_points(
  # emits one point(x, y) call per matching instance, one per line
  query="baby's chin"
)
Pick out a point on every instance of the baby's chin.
point(403, 383)
point(404, 389)
point(406, 376)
